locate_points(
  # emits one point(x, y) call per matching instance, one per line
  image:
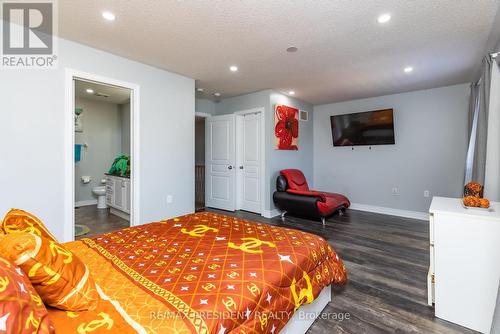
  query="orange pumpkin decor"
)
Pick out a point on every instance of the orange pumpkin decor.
point(484, 203)
point(473, 193)
point(473, 189)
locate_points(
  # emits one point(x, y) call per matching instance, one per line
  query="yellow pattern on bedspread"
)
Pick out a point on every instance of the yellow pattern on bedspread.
point(201, 273)
point(136, 304)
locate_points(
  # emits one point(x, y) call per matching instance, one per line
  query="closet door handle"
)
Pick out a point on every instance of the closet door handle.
point(229, 167)
point(241, 167)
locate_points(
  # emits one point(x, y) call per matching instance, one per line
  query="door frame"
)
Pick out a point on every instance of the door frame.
point(203, 115)
point(69, 144)
point(262, 140)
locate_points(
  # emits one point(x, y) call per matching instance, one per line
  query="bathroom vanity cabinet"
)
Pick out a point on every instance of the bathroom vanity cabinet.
point(118, 195)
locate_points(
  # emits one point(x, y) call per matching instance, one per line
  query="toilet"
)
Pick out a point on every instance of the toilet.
point(100, 192)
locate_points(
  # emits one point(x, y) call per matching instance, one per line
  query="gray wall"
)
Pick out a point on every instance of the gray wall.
point(32, 136)
point(205, 106)
point(275, 159)
point(125, 127)
point(102, 131)
point(431, 142)
point(243, 102)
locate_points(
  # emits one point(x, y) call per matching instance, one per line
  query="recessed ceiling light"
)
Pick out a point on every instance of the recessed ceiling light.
point(216, 94)
point(108, 16)
point(292, 49)
point(384, 18)
point(90, 91)
point(233, 68)
point(291, 92)
point(200, 90)
point(408, 69)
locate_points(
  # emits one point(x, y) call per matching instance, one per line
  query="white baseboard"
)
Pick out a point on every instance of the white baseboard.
point(119, 213)
point(270, 213)
point(86, 203)
point(390, 211)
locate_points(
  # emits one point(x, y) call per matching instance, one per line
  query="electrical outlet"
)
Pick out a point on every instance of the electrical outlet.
point(395, 191)
point(170, 199)
point(427, 193)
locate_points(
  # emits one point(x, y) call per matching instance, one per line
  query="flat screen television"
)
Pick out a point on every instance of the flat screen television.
point(364, 128)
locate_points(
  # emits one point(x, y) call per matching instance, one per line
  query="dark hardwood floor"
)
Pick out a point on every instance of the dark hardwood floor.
point(199, 206)
point(387, 260)
point(98, 220)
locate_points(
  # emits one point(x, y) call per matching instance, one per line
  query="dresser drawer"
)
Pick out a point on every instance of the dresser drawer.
point(431, 229)
point(431, 277)
point(431, 259)
point(430, 287)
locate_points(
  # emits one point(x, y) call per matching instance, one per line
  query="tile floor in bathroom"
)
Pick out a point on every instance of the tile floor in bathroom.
point(99, 221)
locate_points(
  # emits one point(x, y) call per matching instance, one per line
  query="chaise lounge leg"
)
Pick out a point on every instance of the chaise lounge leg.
point(323, 221)
point(283, 215)
point(341, 212)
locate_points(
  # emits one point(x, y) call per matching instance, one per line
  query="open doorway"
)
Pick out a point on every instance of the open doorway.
point(199, 163)
point(102, 156)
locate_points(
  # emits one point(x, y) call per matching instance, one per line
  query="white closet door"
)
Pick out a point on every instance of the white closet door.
point(220, 161)
point(249, 169)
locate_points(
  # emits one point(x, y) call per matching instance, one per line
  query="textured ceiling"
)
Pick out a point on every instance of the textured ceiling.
point(112, 94)
point(343, 52)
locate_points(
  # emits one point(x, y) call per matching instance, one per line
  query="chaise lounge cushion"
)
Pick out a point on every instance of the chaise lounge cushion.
point(321, 196)
point(333, 203)
point(296, 184)
point(295, 179)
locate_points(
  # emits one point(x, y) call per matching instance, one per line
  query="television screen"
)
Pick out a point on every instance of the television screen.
point(364, 128)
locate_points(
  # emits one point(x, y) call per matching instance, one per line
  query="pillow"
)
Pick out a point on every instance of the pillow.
point(21, 221)
point(21, 310)
point(59, 277)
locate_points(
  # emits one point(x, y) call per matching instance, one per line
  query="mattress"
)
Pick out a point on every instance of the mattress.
point(201, 273)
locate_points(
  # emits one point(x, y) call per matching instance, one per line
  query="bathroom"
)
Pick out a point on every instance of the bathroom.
point(102, 158)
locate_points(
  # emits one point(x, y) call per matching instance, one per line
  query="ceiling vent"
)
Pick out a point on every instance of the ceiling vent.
point(101, 95)
point(303, 115)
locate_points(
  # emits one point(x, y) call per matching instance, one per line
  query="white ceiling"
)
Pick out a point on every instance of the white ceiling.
point(102, 93)
point(343, 52)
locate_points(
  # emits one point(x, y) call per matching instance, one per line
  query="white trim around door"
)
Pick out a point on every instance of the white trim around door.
point(202, 114)
point(239, 157)
point(69, 144)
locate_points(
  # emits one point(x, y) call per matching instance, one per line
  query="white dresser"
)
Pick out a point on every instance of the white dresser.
point(464, 272)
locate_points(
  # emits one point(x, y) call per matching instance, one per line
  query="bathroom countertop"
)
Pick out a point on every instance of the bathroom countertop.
point(123, 177)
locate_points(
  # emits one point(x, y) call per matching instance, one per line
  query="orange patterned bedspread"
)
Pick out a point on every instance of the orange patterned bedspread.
point(201, 273)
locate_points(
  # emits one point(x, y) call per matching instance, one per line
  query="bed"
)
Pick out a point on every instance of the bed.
point(202, 273)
